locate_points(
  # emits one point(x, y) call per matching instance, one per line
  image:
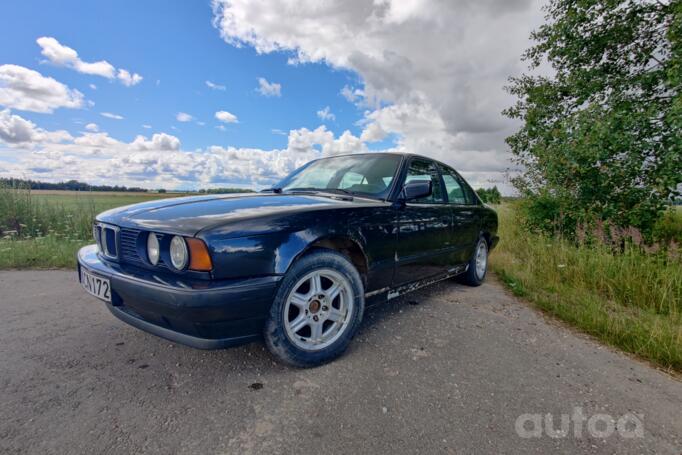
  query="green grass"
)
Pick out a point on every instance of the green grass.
point(44, 229)
point(630, 300)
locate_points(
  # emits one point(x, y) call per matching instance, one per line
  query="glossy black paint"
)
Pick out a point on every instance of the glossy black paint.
point(393, 242)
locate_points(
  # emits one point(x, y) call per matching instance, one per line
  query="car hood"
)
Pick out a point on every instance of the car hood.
point(190, 215)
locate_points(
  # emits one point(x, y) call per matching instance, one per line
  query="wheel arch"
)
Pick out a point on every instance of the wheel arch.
point(343, 244)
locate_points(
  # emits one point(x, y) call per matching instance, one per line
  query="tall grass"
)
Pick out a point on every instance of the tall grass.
point(630, 299)
point(23, 216)
point(38, 233)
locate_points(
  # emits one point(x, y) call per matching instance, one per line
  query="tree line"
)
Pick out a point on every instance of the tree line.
point(70, 185)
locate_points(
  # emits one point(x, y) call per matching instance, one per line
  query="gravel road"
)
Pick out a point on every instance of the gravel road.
point(450, 369)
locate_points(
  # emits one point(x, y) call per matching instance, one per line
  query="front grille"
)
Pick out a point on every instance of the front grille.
point(129, 246)
point(133, 244)
point(106, 236)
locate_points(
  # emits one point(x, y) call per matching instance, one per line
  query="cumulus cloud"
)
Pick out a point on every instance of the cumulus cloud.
point(17, 131)
point(92, 127)
point(28, 90)
point(128, 79)
point(62, 55)
point(449, 60)
point(111, 116)
point(266, 88)
point(160, 161)
point(226, 117)
point(160, 141)
point(214, 86)
point(326, 114)
point(183, 117)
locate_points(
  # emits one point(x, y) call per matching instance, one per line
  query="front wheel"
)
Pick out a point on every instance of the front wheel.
point(478, 265)
point(317, 310)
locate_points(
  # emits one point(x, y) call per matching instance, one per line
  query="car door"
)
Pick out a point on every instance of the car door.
point(424, 228)
point(465, 216)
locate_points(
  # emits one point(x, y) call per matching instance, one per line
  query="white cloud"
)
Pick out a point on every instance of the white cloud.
point(65, 56)
point(373, 133)
point(62, 55)
point(92, 86)
point(111, 116)
point(326, 114)
point(28, 90)
point(226, 117)
point(92, 127)
point(449, 60)
point(160, 141)
point(266, 88)
point(351, 94)
point(127, 78)
point(183, 117)
point(214, 86)
point(147, 127)
point(159, 161)
point(17, 131)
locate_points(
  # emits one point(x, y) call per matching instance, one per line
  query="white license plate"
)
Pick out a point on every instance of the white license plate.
point(97, 286)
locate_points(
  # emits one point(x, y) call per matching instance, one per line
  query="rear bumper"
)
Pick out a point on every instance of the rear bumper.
point(197, 313)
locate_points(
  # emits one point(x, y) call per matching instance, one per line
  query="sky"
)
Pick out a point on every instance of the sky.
point(201, 94)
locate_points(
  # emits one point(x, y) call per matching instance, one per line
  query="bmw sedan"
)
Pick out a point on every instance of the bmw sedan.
point(296, 264)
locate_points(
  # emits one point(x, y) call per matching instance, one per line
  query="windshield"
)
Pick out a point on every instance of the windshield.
point(369, 175)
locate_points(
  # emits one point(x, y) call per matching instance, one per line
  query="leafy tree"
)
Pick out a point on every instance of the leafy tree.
point(490, 195)
point(602, 135)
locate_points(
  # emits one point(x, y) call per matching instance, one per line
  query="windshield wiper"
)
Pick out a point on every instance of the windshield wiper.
point(313, 190)
point(321, 190)
point(272, 190)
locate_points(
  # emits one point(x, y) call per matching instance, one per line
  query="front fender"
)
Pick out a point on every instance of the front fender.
point(264, 254)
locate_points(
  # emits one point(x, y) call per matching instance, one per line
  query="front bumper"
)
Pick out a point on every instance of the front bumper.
point(198, 313)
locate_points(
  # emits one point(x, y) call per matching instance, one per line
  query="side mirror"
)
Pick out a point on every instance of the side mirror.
point(416, 189)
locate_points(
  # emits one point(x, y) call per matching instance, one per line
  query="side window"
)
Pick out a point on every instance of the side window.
point(426, 170)
point(458, 192)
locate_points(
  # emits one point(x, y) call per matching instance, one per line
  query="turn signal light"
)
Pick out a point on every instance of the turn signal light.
point(199, 259)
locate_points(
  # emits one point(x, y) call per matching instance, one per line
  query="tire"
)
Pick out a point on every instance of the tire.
point(477, 271)
point(312, 320)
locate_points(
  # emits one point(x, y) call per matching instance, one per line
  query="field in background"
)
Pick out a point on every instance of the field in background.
point(630, 300)
point(101, 200)
point(45, 228)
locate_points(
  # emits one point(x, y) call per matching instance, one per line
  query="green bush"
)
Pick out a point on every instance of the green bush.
point(669, 227)
point(490, 195)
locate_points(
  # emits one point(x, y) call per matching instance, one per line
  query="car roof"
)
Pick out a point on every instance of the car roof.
point(403, 154)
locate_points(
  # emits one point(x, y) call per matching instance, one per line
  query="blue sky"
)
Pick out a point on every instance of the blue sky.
point(419, 76)
point(175, 60)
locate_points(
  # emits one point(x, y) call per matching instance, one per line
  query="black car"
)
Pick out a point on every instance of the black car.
point(295, 263)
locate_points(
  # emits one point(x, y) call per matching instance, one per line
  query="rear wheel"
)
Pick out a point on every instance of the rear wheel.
point(317, 310)
point(478, 265)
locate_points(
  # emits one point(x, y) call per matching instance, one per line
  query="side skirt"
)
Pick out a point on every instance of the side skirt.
point(392, 293)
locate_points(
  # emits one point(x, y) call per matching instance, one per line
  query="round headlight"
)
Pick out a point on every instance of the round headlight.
point(178, 252)
point(153, 248)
